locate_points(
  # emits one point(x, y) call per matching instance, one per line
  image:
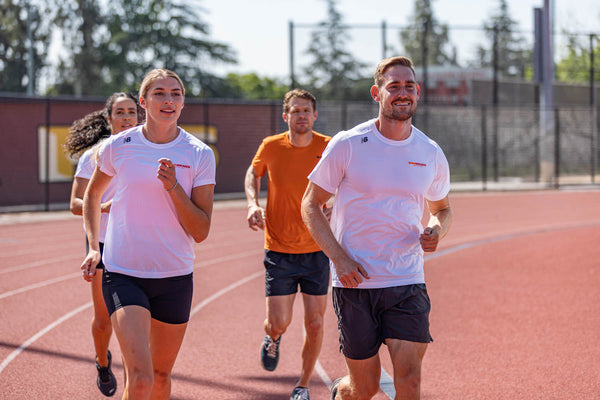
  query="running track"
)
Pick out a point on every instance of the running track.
point(514, 290)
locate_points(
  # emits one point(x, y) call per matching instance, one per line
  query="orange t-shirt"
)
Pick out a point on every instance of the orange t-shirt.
point(288, 167)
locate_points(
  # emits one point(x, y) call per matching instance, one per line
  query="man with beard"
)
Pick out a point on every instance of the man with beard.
point(292, 258)
point(383, 172)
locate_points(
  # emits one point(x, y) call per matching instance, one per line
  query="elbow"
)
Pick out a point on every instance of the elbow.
point(75, 210)
point(200, 236)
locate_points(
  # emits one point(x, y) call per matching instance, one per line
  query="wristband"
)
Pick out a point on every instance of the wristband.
point(173, 187)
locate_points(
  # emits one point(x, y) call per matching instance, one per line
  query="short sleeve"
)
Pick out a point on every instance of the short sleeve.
point(258, 162)
point(86, 165)
point(441, 183)
point(206, 170)
point(331, 168)
point(105, 159)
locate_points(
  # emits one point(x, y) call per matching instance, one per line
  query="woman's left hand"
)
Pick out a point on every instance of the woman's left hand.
point(166, 173)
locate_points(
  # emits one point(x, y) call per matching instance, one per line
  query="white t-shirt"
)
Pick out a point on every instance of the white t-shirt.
point(381, 187)
point(85, 169)
point(144, 237)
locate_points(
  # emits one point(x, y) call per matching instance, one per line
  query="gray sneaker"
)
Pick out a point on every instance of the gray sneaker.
point(334, 388)
point(300, 393)
point(269, 353)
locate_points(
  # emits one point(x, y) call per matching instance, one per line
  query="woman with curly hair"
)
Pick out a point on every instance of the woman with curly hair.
point(120, 113)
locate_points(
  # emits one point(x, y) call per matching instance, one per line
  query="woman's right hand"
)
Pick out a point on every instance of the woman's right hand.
point(88, 267)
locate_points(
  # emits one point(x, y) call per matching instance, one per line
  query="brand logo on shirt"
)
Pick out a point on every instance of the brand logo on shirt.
point(182, 166)
point(127, 139)
point(318, 156)
point(364, 140)
point(417, 164)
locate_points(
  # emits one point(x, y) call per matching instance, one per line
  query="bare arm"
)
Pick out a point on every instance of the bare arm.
point(91, 218)
point(440, 219)
point(256, 213)
point(77, 192)
point(194, 212)
point(349, 272)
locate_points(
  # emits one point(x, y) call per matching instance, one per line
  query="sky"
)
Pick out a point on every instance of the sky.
point(258, 29)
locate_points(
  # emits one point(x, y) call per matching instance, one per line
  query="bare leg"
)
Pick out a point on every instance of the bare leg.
point(165, 342)
point(101, 325)
point(407, 358)
point(279, 314)
point(362, 381)
point(314, 309)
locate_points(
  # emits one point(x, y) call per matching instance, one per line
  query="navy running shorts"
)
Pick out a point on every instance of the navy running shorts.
point(169, 300)
point(284, 272)
point(366, 317)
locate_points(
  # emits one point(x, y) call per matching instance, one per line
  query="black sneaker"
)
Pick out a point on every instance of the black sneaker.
point(334, 388)
point(300, 393)
point(269, 353)
point(106, 380)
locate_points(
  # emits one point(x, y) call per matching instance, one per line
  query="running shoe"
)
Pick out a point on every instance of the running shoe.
point(300, 393)
point(106, 380)
point(334, 388)
point(269, 353)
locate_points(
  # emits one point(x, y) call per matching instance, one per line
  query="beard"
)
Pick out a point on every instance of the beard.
point(399, 115)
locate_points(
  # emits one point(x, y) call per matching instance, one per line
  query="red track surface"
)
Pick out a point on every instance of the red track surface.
point(514, 315)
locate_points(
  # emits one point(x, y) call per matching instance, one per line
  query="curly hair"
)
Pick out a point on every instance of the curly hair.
point(89, 130)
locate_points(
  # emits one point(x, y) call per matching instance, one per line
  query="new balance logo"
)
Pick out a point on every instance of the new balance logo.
point(127, 139)
point(364, 140)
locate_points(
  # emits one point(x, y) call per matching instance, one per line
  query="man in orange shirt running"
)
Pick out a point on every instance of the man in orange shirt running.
point(292, 258)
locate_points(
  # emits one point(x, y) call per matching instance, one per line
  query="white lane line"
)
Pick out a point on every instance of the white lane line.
point(41, 333)
point(223, 291)
point(39, 284)
point(41, 263)
point(386, 383)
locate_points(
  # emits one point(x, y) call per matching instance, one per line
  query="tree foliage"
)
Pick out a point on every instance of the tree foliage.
point(253, 87)
point(425, 32)
point(331, 69)
point(576, 64)
point(112, 48)
point(24, 38)
point(513, 58)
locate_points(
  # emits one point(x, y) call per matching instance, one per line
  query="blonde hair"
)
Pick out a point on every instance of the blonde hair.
point(390, 62)
point(156, 74)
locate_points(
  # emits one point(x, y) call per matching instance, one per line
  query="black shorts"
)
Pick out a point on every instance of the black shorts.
point(366, 317)
point(87, 250)
point(284, 272)
point(169, 300)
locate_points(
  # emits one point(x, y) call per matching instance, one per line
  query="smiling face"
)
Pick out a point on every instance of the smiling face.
point(163, 100)
point(123, 115)
point(397, 94)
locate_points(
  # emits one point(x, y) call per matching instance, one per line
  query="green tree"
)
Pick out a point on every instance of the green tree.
point(113, 48)
point(575, 64)
point(425, 32)
point(513, 57)
point(253, 87)
point(331, 69)
point(24, 40)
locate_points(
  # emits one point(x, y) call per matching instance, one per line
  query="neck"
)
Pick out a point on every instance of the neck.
point(300, 139)
point(394, 129)
point(160, 134)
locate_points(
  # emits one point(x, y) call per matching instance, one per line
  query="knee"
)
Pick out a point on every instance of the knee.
point(162, 379)
point(314, 327)
point(101, 325)
point(407, 380)
point(363, 389)
point(139, 384)
point(276, 327)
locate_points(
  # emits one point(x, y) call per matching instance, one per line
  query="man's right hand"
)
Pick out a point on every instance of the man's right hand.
point(256, 218)
point(350, 273)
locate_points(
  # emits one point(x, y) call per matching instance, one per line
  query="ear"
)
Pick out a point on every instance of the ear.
point(142, 102)
point(285, 117)
point(418, 91)
point(316, 115)
point(375, 93)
